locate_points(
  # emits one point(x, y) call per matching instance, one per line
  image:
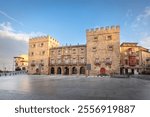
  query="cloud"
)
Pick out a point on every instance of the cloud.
point(129, 13)
point(13, 43)
point(7, 31)
point(145, 42)
point(141, 27)
point(142, 19)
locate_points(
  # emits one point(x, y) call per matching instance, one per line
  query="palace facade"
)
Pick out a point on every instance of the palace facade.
point(134, 59)
point(68, 60)
point(102, 54)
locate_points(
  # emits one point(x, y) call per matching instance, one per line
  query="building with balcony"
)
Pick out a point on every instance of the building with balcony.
point(134, 59)
point(101, 53)
point(21, 62)
point(39, 54)
point(68, 60)
point(103, 50)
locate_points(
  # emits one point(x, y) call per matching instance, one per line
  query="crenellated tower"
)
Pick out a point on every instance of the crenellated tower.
point(103, 50)
point(39, 54)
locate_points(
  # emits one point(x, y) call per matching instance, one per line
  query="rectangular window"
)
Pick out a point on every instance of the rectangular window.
point(126, 62)
point(43, 52)
point(33, 45)
point(95, 38)
point(32, 53)
point(41, 45)
point(52, 52)
point(94, 49)
point(110, 47)
point(82, 49)
point(109, 37)
point(74, 51)
point(137, 61)
point(59, 52)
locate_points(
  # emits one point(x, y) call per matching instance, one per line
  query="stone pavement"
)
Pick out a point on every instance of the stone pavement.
point(44, 87)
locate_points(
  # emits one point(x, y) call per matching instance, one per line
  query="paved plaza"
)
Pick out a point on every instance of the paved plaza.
point(44, 87)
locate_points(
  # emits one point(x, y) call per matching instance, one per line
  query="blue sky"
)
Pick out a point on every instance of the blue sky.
point(67, 20)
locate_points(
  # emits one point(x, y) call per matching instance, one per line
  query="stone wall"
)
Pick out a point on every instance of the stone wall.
point(39, 54)
point(103, 50)
point(67, 60)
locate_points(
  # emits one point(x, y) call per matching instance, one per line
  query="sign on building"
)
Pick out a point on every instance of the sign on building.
point(88, 66)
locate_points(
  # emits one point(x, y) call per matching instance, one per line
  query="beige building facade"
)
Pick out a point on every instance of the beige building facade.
point(103, 50)
point(68, 60)
point(39, 54)
point(21, 62)
point(134, 59)
point(100, 54)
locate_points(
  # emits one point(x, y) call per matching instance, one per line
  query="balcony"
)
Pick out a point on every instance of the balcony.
point(74, 62)
point(41, 64)
point(66, 62)
point(32, 64)
point(97, 62)
point(82, 63)
point(59, 62)
point(132, 54)
point(108, 62)
point(147, 59)
point(52, 62)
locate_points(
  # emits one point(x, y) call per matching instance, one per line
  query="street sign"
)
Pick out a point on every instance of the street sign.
point(88, 66)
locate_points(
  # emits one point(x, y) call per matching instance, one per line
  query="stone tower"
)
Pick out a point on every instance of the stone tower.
point(39, 54)
point(103, 50)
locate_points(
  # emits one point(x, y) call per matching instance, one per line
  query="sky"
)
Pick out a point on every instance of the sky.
point(67, 21)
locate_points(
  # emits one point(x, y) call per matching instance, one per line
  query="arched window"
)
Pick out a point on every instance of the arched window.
point(58, 70)
point(66, 71)
point(74, 70)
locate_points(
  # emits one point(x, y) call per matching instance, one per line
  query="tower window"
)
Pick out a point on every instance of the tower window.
point(33, 45)
point(110, 47)
point(41, 44)
point(43, 52)
point(94, 49)
point(109, 37)
point(32, 53)
point(95, 37)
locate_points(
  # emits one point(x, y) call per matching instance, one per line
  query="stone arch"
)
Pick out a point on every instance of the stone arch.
point(74, 70)
point(82, 70)
point(52, 70)
point(102, 70)
point(18, 69)
point(66, 71)
point(23, 68)
point(59, 70)
point(37, 71)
